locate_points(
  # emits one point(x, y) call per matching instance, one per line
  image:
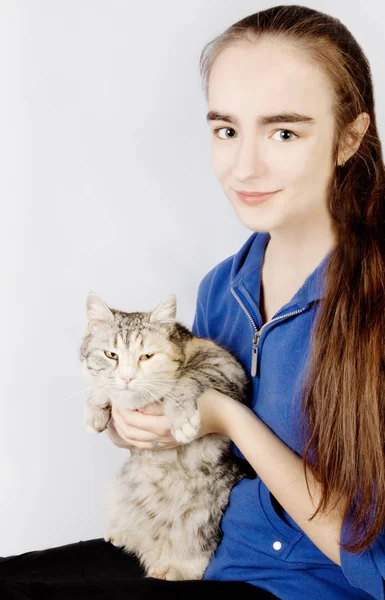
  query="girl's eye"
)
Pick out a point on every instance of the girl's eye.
point(111, 355)
point(286, 131)
point(146, 356)
point(220, 129)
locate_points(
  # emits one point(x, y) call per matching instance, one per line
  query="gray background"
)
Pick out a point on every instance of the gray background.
point(105, 185)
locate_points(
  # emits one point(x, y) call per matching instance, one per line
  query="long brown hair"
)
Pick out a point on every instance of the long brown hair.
point(343, 397)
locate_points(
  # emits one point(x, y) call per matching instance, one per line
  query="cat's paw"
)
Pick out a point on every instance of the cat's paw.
point(168, 573)
point(185, 428)
point(96, 419)
point(159, 572)
point(113, 539)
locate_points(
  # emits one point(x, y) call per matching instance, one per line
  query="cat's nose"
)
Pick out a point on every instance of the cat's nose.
point(127, 379)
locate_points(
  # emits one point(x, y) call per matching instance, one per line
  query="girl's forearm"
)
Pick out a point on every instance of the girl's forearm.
point(282, 472)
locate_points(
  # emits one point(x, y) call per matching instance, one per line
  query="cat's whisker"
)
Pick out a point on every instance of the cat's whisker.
point(75, 394)
point(147, 391)
point(160, 379)
point(164, 392)
point(101, 386)
point(152, 402)
point(147, 395)
point(157, 386)
point(100, 391)
point(91, 394)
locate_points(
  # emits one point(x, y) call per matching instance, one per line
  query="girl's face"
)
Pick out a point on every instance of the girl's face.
point(251, 81)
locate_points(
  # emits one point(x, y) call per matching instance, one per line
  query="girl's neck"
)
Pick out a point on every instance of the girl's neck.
point(289, 256)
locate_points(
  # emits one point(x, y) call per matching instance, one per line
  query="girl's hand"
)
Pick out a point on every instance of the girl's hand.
point(138, 428)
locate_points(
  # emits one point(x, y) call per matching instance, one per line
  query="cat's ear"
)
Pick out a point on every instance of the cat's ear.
point(165, 313)
point(97, 311)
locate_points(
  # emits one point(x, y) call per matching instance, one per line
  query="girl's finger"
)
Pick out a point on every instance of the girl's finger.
point(132, 435)
point(158, 425)
point(153, 408)
point(114, 436)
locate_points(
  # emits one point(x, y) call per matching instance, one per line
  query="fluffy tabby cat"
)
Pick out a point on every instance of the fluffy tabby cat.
point(165, 506)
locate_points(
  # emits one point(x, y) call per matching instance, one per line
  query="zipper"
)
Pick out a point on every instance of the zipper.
point(258, 332)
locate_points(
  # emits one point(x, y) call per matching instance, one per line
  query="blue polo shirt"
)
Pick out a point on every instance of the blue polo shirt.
point(261, 543)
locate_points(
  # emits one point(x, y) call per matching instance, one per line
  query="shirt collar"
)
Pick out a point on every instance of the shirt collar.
point(246, 270)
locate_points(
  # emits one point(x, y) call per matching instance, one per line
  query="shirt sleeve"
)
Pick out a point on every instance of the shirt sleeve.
point(365, 570)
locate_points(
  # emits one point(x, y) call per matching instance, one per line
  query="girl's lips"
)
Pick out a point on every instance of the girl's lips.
point(254, 199)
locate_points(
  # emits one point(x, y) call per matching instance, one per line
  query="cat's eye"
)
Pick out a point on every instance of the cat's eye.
point(145, 356)
point(111, 355)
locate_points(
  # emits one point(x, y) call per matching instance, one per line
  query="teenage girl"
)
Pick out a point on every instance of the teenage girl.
point(296, 149)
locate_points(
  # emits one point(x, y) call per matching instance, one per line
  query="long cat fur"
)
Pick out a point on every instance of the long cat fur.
point(164, 506)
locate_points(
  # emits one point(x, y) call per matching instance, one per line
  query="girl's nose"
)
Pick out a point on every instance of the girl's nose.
point(250, 164)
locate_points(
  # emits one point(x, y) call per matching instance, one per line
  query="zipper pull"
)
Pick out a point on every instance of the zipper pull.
point(254, 356)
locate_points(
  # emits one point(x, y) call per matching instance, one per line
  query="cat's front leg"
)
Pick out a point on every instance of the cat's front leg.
point(97, 413)
point(181, 409)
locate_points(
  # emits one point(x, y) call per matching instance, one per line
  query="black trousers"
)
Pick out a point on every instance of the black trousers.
point(96, 569)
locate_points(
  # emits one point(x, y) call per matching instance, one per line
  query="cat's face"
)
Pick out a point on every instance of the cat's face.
point(129, 356)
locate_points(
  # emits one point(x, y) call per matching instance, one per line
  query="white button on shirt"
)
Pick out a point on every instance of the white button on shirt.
point(277, 545)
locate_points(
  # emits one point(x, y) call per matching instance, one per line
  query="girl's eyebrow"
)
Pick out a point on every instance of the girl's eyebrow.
point(288, 117)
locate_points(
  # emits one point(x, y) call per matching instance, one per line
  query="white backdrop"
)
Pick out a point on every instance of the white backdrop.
point(105, 185)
